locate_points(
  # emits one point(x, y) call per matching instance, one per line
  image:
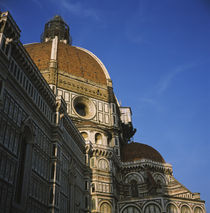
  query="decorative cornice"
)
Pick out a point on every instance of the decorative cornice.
point(103, 151)
point(144, 163)
point(81, 87)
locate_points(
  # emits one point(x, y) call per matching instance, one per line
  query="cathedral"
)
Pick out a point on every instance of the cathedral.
point(65, 141)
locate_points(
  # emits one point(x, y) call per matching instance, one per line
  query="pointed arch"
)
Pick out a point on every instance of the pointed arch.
point(158, 177)
point(25, 160)
point(133, 176)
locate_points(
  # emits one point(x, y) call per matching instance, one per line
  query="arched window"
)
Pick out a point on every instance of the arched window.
point(98, 138)
point(105, 208)
point(134, 188)
point(93, 187)
point(185, 209)
point(159, 178)
point(152, 208)
point(103, 165)
point(84, 135)
point(131, 209)
point(81, 109)
point(172, 209)
point(23, 161)
point(133, 176)
point(198, 210)
point(21, 169)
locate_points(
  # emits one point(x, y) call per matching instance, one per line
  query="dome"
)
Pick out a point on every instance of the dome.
point(136, 151)
point(73, 60)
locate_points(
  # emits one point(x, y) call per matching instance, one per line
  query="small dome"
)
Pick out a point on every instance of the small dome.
point(72, 60)
point(137, 151)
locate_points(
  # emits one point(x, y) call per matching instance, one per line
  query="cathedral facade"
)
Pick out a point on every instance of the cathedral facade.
point(65, 140)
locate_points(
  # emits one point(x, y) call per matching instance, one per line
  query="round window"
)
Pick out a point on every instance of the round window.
point(84, 107)
point(81, 109)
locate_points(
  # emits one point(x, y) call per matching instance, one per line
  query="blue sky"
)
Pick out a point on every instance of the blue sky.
point(158, 56)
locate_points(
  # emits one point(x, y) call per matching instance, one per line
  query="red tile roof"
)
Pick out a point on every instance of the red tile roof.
point(72, 60)
point(137, 151)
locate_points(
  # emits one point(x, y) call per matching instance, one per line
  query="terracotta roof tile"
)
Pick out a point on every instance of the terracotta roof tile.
point(71, 59)
point(136, 151)
point(40, 53)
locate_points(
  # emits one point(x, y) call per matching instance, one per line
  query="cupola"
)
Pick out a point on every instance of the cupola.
point(56, 27)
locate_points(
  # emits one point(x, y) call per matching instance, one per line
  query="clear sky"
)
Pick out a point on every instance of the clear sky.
point(158, 55)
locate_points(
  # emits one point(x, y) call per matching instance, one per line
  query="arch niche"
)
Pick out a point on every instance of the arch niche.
point(152, 208)
point(185, 209)
point(171, 208)
point(131, 209)
point(25, 161)
point(98, 138)
point(105, 208)
point(198, 210)
point(103, 165)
